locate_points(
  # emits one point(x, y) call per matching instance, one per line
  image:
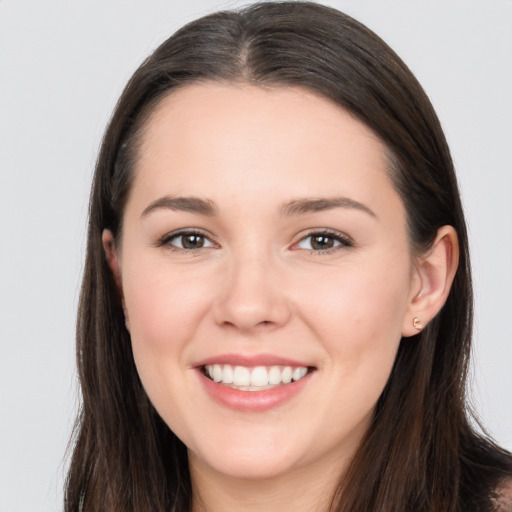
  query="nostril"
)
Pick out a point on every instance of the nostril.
point(262, 323)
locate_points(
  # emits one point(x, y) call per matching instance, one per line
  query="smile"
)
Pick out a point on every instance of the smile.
point(253, 383)
point(258, 378)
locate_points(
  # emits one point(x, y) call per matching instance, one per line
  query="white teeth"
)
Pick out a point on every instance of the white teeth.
point(274, 375)
point(217, 372)
point(286, 376)
point(227, 374)
point(241, 376)
point(298, 373)
point(259, 376)
point(254, 379)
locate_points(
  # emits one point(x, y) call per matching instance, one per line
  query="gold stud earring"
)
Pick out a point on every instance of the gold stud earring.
point(416, 323)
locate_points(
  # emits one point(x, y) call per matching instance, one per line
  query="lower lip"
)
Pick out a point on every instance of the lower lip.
point(253, 401)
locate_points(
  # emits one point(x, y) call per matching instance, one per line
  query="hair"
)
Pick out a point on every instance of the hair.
point(422, 451)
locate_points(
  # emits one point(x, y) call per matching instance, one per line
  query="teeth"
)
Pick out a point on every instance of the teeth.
point(241, 376)
point(217, 372)
point(286, 376)
point(274, 375)
point(227, 374)
point(298, 373)
point(259, 376)
point(254, 379)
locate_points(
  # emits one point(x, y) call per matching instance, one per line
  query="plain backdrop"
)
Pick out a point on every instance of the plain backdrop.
point(63, 65)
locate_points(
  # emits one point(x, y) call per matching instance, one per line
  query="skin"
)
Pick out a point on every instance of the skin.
point(258, 286)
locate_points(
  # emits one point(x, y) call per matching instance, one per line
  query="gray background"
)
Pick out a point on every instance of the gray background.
point(62, 66)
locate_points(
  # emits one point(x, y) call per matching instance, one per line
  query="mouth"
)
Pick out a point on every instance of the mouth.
point(253, 383)
point(254, 378)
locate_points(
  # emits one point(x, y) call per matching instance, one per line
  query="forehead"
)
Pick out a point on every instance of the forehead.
point(285, 113)
point(250, 142)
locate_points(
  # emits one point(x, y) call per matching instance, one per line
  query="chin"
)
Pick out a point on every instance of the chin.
point(255, 455)
point(245, 466)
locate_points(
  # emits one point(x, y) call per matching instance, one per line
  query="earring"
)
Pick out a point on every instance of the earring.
point(416, 323)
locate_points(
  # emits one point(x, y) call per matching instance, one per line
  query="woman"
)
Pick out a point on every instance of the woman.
point(276, 307)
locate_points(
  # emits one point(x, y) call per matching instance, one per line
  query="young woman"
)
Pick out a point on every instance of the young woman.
point(276, 307)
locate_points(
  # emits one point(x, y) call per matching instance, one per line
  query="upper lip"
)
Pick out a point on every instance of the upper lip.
point(252, 360)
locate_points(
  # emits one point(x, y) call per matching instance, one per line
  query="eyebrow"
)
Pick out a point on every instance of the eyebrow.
point(312, 205)
point(296, 207)
point(184, 204)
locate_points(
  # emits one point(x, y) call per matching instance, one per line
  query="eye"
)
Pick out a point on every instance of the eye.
point(186, 240)
point(324, 241)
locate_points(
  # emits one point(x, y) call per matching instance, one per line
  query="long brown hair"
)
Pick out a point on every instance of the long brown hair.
point(421, 452)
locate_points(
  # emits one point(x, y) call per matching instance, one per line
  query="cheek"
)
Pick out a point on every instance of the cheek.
point(359, 305)
point(165, 309)
point(160, 301)
point(358, 317)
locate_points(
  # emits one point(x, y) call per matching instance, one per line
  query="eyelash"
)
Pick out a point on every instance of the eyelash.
point(168, 238)
point(343, 241)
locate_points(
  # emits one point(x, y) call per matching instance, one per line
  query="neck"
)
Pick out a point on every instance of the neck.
point(308, 489)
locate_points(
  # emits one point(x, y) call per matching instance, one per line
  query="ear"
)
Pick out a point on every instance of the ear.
point(109, 247)
point(432, 280)
point(112, 256)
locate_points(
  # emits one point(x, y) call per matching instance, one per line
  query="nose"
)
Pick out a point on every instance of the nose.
point(252, 296)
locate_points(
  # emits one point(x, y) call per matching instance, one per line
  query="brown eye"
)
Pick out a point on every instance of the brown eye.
point(187, 241)
point(324, 241)
point(192, 241)
point(319, 242)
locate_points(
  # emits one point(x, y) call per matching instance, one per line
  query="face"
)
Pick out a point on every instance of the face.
point(266, 275)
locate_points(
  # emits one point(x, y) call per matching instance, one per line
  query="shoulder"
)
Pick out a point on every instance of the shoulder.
point(504, 496)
